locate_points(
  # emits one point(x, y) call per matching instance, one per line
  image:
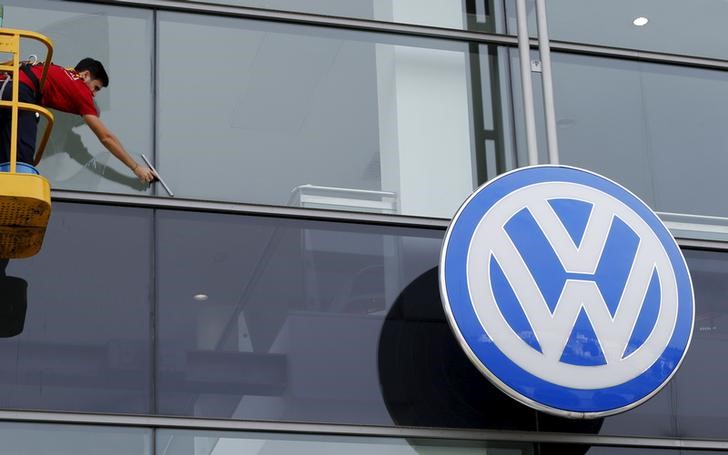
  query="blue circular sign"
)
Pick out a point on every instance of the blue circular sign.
point(567, 291)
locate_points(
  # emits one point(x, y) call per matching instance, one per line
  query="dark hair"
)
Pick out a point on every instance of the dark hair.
point(95, 68)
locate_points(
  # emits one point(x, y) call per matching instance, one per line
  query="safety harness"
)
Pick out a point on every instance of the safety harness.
point(34, 79)
point(25, 68)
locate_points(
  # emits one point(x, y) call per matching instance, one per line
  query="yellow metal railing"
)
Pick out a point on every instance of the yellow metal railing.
point(10, 43)
point(25, 201)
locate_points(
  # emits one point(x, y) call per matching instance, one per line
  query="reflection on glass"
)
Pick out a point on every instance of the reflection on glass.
point(279, 293)
point(317, 117)
point(121, 39)
point(35, 438)
point(290, 320)
point(481, 15)
point(578, 449)
point(613, 24)
point(691, 405)
point(173, 442)
point(13, 302)
point(425, 378)
point(314, 322)
point(85, 345)
point(701, 406)
point(656, 129)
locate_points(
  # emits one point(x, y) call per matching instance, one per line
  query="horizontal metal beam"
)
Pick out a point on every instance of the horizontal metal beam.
point(245, 12)
point(198, 424)
point(635, 54)
point(196, 205)
point(702, 244)
point(418, 30)
point(164, 203)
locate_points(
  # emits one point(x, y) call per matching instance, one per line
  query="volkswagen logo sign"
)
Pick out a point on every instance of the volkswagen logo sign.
point(566, 291)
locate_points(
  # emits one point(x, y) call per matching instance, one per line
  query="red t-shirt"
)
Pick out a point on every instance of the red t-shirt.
point(64, 90)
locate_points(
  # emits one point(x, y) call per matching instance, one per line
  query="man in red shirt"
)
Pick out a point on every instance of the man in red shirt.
point(67, 90)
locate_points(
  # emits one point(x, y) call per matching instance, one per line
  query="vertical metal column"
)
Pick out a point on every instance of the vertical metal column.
point(524, 51)
point(548, 92)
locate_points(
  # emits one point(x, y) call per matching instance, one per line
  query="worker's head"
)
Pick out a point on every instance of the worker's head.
point(93, 74)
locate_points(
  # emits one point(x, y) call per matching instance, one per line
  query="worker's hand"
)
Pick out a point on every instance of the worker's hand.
point(144, 174)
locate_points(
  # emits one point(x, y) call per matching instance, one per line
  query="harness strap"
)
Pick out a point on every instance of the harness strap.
point(25, 68)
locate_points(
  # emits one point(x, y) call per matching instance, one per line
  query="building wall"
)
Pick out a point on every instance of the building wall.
point(286, 300)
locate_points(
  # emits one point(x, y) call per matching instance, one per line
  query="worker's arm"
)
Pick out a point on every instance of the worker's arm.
point(113, 145)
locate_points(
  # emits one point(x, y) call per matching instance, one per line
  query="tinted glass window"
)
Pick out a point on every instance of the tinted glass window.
point(692, 404)
point(578, 449)
point(287, 320)
point(181, 442)
point(326, 322)
point(656, 129)
point(482, 15)
point(75, 325)
point(318, 117)
point(646, 24)
point(701, 404)
point(308, 321)
point(74, 440)
point(121, 38)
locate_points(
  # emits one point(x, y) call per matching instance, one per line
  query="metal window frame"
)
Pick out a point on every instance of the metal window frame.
point(197, 205)
point(205, 424)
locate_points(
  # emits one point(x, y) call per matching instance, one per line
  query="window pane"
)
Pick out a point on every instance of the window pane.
point(22, 438)
point(613, 24)
point(121, 38)
point(316, 117)
point(579, 449)
point(290, 320)
point(285, 320)
point(701, 404)
point(691, 405)
point(481, 15)
point(180, 442)
point(304, 321)
point(659, 130)
point(85, 333)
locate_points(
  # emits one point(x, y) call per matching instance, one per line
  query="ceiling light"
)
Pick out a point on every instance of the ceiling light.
point(200, 297)
point(640, 21)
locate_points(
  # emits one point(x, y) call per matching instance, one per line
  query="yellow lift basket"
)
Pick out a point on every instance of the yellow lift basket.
point(25, 199)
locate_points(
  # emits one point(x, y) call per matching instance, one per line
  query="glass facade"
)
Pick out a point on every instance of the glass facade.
point(484, 15)
point(86, 331)
point(648, 25)
point(362, 121)
point(284, 114)
point(122, 39)
point(260, 318)
point(651, 127)
point(74, 439)
point(317, 149)
point(219, 443)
